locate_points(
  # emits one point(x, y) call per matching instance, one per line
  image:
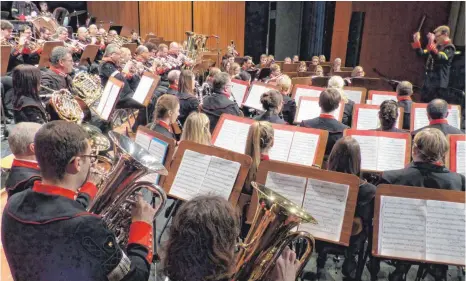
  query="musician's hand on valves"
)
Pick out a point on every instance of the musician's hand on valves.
point(417, 36)
point(22, 40)
point(142, 211)
point(128, 66)
point(95, 175)
point(431, 37)
point(286, 266)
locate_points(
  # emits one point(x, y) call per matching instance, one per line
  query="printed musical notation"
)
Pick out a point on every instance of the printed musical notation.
point(288, 185)
point(233, 136)
point(157, 148)
point(381, 153)
point(460, 156)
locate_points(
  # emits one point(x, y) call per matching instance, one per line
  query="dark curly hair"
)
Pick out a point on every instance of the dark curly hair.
point(388, 114)
point(202, 241)
point(271, 100)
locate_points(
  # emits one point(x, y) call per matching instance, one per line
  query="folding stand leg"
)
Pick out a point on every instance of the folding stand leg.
point(420, 272)
point(362, 257)
point(168, 220)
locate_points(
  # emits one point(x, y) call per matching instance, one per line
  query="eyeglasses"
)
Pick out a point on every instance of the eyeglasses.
point(93, 158)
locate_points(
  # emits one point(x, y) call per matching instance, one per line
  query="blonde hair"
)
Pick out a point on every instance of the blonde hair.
point(356, 69)
point(260, 139)
point(234, 69)
point(284, 83)
point(445, 30)
point(197, 128)
point(431, 144)
point(322, 57)
point(315, 57)
point(336, 82)
point(275, 68)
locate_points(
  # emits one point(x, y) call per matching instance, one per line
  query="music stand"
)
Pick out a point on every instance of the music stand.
point(371, 83)
point(144, 95)
point(263, 73)
point(149, 37)
point(89, 53)
point(5, 51)
point(131, 46)
point(45, 55)
point(320, 81)
point(117, 28)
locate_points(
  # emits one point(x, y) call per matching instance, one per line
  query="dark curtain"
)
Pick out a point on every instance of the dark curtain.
point(255, 34)
point(313, 30)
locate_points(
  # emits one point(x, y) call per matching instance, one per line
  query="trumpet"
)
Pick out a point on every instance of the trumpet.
point(75, 44)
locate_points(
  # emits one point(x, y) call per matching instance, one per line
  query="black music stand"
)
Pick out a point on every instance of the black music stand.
point(117, 28)
point(263, 73)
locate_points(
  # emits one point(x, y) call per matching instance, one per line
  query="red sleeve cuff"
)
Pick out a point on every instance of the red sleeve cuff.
point(141, 233)
point(128, 75)
point(102, 47)
point(431, 47)
point(416, 45)
point(26, 51)
point(90, 189)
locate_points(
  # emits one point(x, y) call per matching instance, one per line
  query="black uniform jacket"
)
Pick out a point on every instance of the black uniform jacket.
point(188, 104)
point(425, 175)
point(442, 125)
point(163, 128)
point(365, 203)
point(48, 236)
point(217, 104)
point(348, 113)
point(271, 117)
point(406, 105)
point(289, 109)
point(29, 110)
point(327, 122)
point(21, 176)
point(19, 8)
point(55, 80)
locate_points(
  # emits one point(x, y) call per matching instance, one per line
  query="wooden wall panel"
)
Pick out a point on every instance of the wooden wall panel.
point(225, 19)
point(168, 19)
point(120, 12)
point(340, 30)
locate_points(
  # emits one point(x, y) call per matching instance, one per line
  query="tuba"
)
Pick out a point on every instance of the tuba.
point(270, 234)
point(87, 86)
point(131, 163)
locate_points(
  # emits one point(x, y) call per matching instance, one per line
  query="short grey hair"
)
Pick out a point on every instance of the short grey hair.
point(58, 53)
point(21, 136)
point(111, 48)
point(61, 29)
point(141, 49)
point(336, 82)
point(220, 80)
point(173, 76)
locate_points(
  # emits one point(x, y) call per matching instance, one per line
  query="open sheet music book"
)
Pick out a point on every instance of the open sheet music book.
point(109, 98)
point(358, 95)
point(421, 229)
point(156, 148)
point(305, 91)
point(325, 201)
point(419, 116)
point(382, 151)
point(308, 108)
point(366, 117)
point(457, 153)
point(239, 90)
point(200, 174)
point(145, 88)
point(255, 92)
point(377, 97)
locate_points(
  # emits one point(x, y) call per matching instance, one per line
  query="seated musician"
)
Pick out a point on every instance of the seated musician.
point(74, 244)
point(16, 57)
point(230, 58)
point(243, 76)
point(336, 82)
point(174, 51)
point(336, 67)
point(93, 30)
point(235, 69)
point(24, 169)
point(57, 76)
point(272, 102)
point(437, 113)
point(162, 68)
point(132, 71)
point(302, 66)
point(219, 102)
point(61, 34)
point(24, 10)
point(45, 34)
point(430, 147)
point(30, 49)
point(263, 61)
point(186, 95)
point(173, 79)
point(152, 48)
point(275, 74)
point(167, 110)
point(295, 59)
point(258, 144)
point(112, 34)
point(44, 9)
point(315, 60)
point(206, 87)
point(404, 90)
point(319, 72)
point(388, 116)
point(135, 38)
point(202, 244)
point(346, 158)
point(321, 59)
point(226, 65)
point(329, 100)
point(27, 104)
point(287, 60)
point(247, 63)
point(197, 129)
point(102, 31)
point(143, 55)
point(270, 59)
point(289, 105)
point(358, 71)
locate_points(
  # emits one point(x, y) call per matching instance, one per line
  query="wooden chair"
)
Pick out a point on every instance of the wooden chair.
point(320, 81)
point(291, 74)
point(290, 67)
point(280, 63)
point(343, 74)
point(306, 74)
point(346, 68)
point(302, 81)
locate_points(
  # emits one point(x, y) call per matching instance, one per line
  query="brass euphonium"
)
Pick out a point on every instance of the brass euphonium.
point(131, 163)
point(270, 234)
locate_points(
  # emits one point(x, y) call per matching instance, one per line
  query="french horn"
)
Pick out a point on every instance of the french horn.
point(87, 86)
point(65, 105)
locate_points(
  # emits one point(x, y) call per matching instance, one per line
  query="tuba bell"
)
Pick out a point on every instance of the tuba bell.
point(64, 106)
point(131, 163)
point(269, 234)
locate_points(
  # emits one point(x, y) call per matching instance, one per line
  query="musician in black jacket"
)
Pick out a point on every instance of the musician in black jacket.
point(437, 112)
point(388, 116)
point(337, 82)
point(272, 102)
point(439, 52)
point(404, 90)
point(289, 105)
point(166, 114)
point(219, 102)
point(22, 10)
point(329, 100)
point(428, 170)
point(188, 100)
point(57, 77)
point(47, 235)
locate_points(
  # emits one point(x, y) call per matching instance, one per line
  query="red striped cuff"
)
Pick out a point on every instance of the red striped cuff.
point(416, 45)
point(141, 233)
point(431, 47)
point(90, 189)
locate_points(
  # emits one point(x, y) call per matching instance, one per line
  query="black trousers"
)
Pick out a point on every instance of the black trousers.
point(7, 92)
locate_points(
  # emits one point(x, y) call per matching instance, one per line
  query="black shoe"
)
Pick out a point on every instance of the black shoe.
point(397, 276)
point(348, 268)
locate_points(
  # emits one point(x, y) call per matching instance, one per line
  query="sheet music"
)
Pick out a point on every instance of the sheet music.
point(305, 92)
point(104, 97)
point(254, 97)
point(354, 95)
point(238, 90)
point(110, 102)
point(156, 148)
point(220, 177)
point(326, 201)
point(281, 145)
point(368, 147)
point(190, 175)
point(420, 118)
point(453, 117)
point(308, 110)
point(368, 119)
point(445, 239)
point(460, 156)
point(402, 227)
point(143, 139)
point(303, 148)
point(391, 153)
point(379, 99)
point(233, 136)
point(289, 186)
point(143, 89)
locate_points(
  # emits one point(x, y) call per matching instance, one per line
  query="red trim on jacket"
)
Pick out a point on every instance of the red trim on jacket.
point(141, 233)
point(326, 116)
point(416, 45)
point(90, 189)
point(174, 87)
point(265, 157)
point(25, 164)
point(53, 190)
point(438, 121)
point(165, 125)
point(403, 98)
point(58, 71)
